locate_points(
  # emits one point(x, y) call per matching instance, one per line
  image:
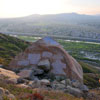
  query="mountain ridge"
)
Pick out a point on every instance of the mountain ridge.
point(37, 15)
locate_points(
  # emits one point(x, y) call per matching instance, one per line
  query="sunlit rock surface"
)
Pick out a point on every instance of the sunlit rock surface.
point(8, 73)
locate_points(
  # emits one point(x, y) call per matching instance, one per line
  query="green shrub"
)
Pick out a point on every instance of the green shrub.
point(10, 47)
point(91, 80)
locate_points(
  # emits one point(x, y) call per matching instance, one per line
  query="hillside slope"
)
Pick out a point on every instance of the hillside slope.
point(9, 47)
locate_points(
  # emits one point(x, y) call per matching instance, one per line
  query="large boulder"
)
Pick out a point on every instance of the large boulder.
point(74, 91)
point(8, 76)
point(84, 88)
point(25, 73)
point(61, 63)
point(57, 86)
point(44, 83)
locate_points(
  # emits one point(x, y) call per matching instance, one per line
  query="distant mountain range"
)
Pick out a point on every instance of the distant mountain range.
point(66, 24)
point(62, 16)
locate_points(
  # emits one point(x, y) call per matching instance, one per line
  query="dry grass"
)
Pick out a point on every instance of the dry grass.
point(56, 95)
point(96, 91)
point(23, 93)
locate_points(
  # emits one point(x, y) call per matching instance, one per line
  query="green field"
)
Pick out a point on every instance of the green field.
point(79, 50)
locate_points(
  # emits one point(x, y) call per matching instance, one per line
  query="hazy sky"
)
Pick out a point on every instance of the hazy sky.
point(17, 8)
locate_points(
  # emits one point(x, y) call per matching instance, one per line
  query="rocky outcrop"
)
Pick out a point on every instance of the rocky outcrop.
point(49, 56)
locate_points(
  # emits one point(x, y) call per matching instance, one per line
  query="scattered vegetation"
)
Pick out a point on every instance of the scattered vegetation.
point(80, 50)
point(91, 80)
point(87, 68)
point(9, 47)
point(91, 75)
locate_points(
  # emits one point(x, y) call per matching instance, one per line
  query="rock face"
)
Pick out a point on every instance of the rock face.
point(44, 64)
point(48, 55)
point(25, 73)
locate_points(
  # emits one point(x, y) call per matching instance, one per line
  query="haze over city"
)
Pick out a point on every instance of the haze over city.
point(18, 8)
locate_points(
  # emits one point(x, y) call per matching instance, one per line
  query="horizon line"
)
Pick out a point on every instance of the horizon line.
point(50, 14)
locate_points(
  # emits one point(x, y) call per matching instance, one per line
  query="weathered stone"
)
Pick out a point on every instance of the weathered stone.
point(61, 62)
point(49, 41)
point(8, 73)
point(1, 93)
point(22, 86)
point(23, 63)
point(58, 57)
point(58, 86)
point(33, 58)
point(39, 83)
point(46, 54)
point(45, 82)
point(35, 84)
point(13, 80)
point(74, 91)
point(44, 64)
point(25, 73)
point(84, 88)
point(36, 79)
point(76, 84)
point(68, 82)
point(58, 67)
